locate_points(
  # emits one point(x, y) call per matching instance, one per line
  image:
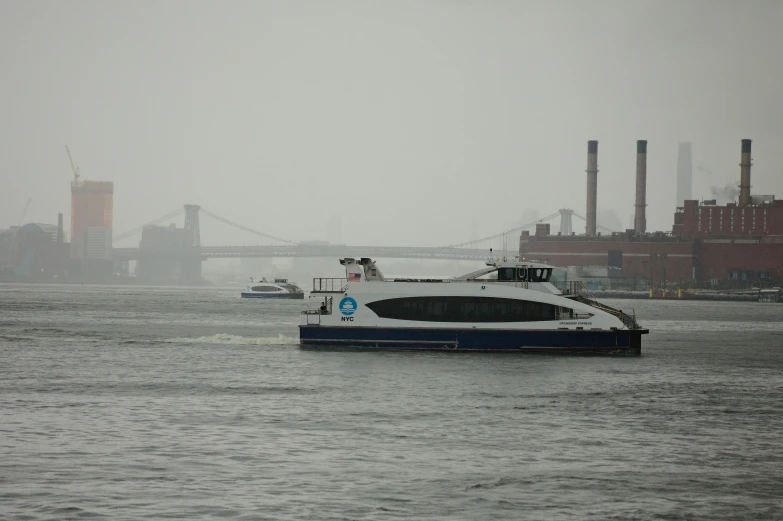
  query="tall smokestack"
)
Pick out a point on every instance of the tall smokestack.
point(60, 228)
point(640, 221)
point(592, 186)
point(744, 196)
point(684, 173)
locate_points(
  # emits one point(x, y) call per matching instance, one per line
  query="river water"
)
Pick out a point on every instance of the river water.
point(152, 403)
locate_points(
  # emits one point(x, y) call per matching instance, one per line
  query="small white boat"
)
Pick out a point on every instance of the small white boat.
point(279, 289)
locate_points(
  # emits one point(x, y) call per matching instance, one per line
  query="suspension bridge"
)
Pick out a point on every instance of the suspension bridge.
point(183, 247)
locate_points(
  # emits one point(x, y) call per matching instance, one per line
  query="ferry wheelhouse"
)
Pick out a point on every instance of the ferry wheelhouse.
point(278, 289)
point(508, 306)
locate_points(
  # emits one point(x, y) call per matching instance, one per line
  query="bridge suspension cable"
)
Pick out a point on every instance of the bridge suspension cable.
point(138, 229)
point(499, 235)
point(244, 228)
point(597, 225)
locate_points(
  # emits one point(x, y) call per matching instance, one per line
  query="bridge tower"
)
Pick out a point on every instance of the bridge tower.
point(191, 247)
point(191, 225)
point(565, 221)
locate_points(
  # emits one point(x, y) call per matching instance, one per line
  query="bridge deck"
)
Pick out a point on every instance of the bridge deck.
point(327, 251)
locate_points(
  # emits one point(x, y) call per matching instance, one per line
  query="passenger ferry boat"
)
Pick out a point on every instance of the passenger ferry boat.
point(506, 306)
point(280, 288)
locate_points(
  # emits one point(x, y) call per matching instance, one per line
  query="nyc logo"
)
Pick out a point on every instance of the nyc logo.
point(348, 306)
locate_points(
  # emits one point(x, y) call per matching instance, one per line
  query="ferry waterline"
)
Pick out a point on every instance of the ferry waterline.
point(506, 306)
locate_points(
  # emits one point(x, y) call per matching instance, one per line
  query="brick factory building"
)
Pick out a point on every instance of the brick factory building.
point(739, 244)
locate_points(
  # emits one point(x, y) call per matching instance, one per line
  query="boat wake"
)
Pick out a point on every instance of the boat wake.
point(227, 339)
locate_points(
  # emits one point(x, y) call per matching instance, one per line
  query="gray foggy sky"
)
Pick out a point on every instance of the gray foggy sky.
point(419, 122)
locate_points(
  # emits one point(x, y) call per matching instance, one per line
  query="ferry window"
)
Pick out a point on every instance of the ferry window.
point(539, 274)
point(463, 309)
point(505, 274)
point(265, 288)
point(565, 313)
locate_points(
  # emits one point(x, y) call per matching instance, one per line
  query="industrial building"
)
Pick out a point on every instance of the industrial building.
point(160, 252)
point(34, 251)
point(739, 244)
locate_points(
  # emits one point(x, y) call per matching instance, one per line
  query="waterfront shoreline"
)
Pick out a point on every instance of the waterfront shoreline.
point(717, 296)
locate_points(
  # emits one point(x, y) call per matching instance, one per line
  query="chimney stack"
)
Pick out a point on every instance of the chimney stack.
point(592, 186)
point(640, 221)
point(60, 228)
point(744, 195)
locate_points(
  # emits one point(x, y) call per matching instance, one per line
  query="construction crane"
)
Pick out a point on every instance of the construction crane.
point(24, 212)
point(74, 166)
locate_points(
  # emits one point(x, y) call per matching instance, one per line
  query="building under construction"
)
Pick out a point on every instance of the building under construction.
point(92, 207)
point(739, 244)
point(91, 226)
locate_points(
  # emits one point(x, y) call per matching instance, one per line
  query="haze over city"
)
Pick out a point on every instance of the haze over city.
point(266, 260)
point(401, 123)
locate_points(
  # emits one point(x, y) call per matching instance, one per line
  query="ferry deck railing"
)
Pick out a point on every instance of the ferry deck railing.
point(629, 320)
point(578, 290)
point(513, 283)
point(314, 315)
point(329, 285)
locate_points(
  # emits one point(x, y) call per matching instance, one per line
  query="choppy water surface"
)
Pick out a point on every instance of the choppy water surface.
point(150, 403)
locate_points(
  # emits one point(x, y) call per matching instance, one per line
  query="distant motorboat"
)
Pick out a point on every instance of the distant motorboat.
point(279, 289)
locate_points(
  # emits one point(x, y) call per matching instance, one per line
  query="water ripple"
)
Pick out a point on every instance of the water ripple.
point(185, 404)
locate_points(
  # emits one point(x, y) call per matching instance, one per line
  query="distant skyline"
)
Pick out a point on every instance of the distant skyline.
point(402, 123)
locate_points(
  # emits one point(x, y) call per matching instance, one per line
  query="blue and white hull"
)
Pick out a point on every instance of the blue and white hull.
point(296, 296)
point(546, 341)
